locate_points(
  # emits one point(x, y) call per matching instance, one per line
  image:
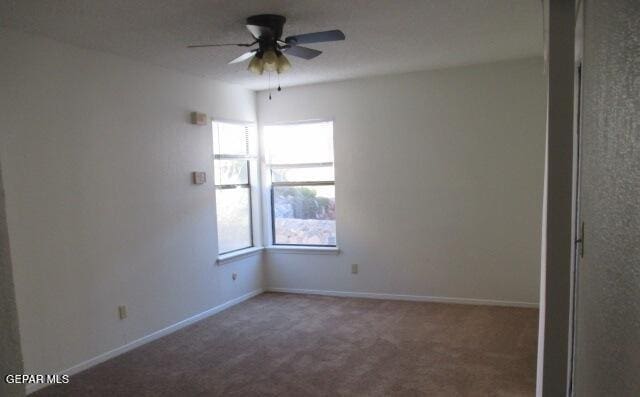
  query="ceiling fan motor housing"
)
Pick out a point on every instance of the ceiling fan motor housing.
point(273, 22)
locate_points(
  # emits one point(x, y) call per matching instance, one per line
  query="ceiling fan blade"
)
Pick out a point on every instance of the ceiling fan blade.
point(317, 37)
point(260, 31)
point(220, 45)
point(302, 52)
point(244, 57)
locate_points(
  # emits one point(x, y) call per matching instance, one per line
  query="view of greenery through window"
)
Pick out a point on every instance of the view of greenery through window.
point(300, 159)
point(305, 215)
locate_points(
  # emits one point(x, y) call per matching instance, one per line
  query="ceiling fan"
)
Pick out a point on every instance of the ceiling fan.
point(269, 56)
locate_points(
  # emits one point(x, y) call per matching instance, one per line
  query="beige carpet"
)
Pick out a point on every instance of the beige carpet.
point(303, 345)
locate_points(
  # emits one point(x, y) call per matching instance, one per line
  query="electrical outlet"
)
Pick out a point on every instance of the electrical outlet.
point(122, 312)
point(234, 276)
point(354, 268)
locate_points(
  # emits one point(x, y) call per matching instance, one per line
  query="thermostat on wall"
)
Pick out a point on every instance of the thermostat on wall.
point(199, 177)
point(198, 118)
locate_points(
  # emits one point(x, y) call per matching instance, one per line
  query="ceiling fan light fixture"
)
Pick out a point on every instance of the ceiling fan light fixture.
point(256, 65)
point(270, 59)
point(282, 64)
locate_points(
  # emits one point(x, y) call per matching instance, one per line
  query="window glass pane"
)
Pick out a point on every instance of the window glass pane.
point(231, 172)
point(234, 219)
point(230, 139)
point(299, 143)
point(306, 174)
point(304, 215)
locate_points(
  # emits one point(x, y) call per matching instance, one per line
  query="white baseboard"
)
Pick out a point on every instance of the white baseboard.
point(30, 388)
point(419, 298)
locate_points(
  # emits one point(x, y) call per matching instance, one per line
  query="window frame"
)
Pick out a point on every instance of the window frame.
point(251, 160)
point(272, 185)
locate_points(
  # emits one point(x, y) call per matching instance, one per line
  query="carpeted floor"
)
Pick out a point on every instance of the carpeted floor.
point(303, 345)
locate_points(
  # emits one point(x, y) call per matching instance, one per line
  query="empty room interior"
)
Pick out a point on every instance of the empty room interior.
point(320, 198)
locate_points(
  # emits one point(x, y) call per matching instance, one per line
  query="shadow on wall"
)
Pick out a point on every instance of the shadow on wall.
point(10, 353)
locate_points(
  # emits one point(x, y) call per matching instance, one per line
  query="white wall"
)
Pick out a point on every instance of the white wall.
point(439, 179)
point(97, 153)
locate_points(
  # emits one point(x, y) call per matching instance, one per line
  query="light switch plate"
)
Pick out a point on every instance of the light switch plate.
point(122, 312)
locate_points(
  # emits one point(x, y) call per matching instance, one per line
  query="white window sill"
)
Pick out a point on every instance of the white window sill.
point(237, 255)
point(291, 249)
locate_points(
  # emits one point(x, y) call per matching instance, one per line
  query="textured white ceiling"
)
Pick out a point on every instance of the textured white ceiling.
point(383, 36)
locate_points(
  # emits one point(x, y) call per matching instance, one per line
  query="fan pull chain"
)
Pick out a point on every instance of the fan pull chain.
point(279, 89)
point(269, 85)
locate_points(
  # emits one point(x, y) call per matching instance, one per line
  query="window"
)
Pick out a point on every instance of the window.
point(299, 160)
point(233, 164)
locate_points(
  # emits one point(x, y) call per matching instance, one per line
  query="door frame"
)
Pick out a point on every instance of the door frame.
point(578, 223)
point(558, 214)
